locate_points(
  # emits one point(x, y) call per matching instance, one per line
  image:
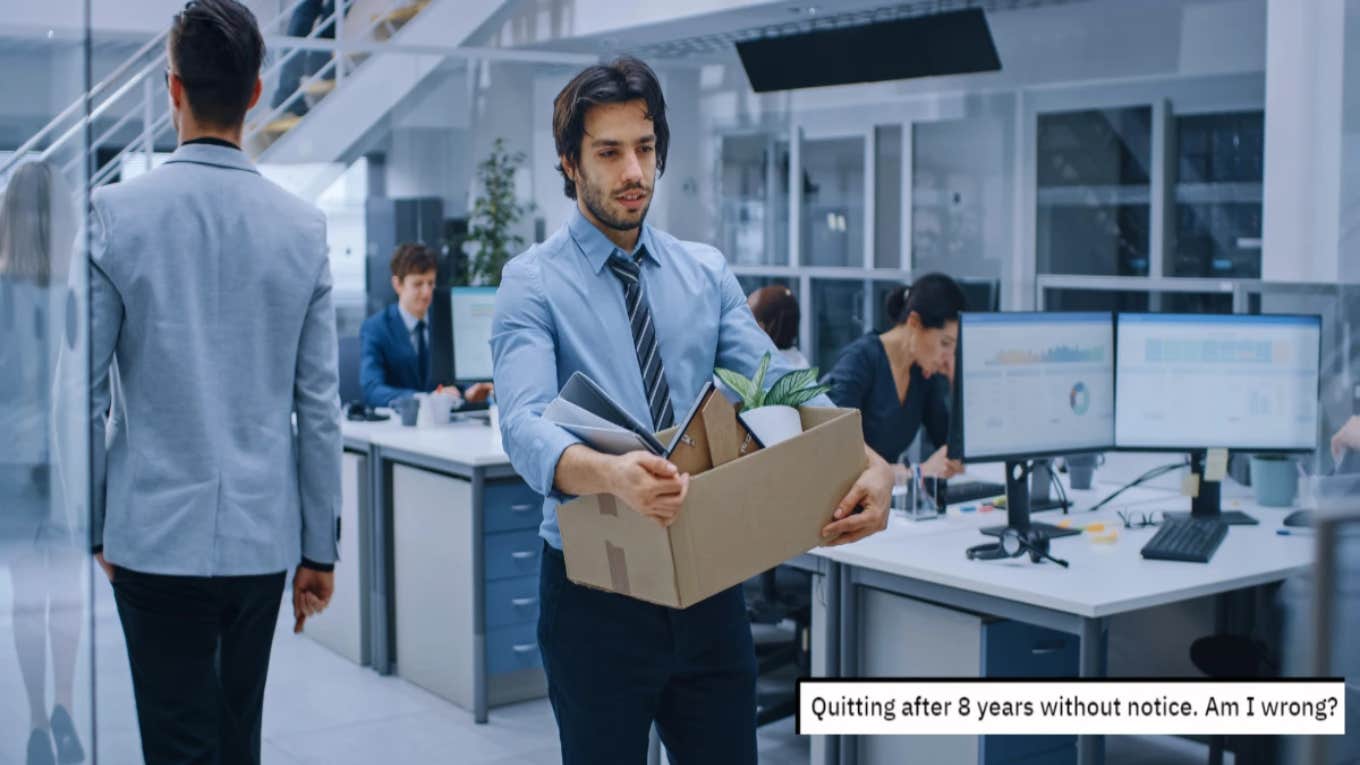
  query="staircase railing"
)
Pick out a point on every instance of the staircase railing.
point(142, 76)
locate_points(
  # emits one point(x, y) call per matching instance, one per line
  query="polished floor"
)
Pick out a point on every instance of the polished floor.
point(321, 709)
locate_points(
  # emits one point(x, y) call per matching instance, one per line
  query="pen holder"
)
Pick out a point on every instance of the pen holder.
point(910, 499)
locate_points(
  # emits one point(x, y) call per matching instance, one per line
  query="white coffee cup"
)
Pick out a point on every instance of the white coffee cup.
point(434, 409)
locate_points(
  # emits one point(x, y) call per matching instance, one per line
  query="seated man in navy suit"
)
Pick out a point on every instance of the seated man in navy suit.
point(396, 340)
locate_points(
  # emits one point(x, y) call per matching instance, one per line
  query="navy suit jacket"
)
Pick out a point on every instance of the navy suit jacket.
point(389, 368)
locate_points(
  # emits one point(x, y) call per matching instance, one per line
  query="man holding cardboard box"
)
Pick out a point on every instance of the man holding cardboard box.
point(647, 317)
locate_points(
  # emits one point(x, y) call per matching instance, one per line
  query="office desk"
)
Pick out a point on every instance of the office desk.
point(450, 559)
point(924, 561)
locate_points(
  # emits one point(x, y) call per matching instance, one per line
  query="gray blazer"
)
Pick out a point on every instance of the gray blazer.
point(211, 287)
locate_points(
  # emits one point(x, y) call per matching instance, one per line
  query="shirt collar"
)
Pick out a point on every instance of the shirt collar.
point(408, 319)
point(212, 141)
point(597, 247)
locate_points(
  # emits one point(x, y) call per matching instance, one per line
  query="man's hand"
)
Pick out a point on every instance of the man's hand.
point(873, 492)
point(479, 392)
point(312, 591)
point(1346, 438)
point(108, 567)
point(940, 466)
point(649, 484)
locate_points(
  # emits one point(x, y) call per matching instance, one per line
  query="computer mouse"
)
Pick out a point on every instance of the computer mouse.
point(1299, 518)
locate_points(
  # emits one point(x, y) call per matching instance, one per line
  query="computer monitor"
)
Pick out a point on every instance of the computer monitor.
point(1031, 385)
point(1194, 382)
point(471, 309)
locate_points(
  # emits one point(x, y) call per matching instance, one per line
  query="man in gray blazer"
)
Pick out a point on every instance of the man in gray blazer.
point(211, 288)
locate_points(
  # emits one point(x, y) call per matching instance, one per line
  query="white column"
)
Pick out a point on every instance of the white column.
point(1305, 56)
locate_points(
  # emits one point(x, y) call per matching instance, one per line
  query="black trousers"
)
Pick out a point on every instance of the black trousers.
point(615, 665)
point(199, 649)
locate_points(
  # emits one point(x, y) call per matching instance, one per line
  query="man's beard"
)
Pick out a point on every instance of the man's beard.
point(595, 201)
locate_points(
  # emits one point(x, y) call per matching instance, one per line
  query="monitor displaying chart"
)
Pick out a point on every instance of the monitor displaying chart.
point(1034, 384)
point(1196, 381)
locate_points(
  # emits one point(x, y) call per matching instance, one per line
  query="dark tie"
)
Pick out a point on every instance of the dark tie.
point(658, 392)
point(422, 355)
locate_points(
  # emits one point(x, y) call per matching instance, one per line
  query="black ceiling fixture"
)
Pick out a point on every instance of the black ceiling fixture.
point(954, 42)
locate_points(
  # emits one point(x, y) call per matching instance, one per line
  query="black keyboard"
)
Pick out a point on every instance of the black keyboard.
point(971, 491)
point(1192, 540)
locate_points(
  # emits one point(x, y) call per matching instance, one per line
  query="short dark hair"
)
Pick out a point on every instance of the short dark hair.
point(621, 80)
point(216, 50)
point(413, 258)
point(776, 309)
point(935, 298)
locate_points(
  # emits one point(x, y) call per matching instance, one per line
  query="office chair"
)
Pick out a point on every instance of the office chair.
point(781, 595)
point(1234, 656)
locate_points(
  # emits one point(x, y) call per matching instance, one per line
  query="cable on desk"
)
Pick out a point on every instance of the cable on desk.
point(1144, 478)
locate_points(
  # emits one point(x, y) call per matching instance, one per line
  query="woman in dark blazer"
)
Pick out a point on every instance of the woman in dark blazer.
point(899, 379)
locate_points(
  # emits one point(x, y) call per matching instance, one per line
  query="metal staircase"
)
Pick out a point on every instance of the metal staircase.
point(127, 113)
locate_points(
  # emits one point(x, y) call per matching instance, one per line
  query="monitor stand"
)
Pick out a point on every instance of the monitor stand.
point(1041, 488)
point(1207, 504)
point(1018, 508)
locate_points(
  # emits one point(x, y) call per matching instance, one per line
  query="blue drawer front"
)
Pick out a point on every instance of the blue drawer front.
point(1015, 649)
point(511, 554)
point(512, 601)
point(509, 506)
point(510, 649)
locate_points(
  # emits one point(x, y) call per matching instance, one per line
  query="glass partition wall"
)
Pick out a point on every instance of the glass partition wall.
point(51, 606)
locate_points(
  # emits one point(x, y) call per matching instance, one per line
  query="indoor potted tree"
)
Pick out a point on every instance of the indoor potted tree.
point(772, 416)
point(495, 213)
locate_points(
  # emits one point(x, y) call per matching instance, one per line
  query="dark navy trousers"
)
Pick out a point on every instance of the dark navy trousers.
point(615, 665)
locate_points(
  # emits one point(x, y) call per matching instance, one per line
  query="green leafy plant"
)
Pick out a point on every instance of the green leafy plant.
point(495, 213)
point(793, 389)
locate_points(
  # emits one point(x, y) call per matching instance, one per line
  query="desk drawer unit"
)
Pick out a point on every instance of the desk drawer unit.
point(511, 601)
point(511, 649)
point(511, 554)
point(904, 637)
point(1016, 649)
point(435, 586)
point(510, 506)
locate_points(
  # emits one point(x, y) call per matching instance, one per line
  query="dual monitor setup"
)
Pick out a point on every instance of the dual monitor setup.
point(1036, 385)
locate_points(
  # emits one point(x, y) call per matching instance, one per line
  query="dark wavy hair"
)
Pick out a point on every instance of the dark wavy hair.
point(935, 298)
point(621, 80)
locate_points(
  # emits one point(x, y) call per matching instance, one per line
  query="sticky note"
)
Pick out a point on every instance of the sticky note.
point(1190, 484)
point(1095, 528)
point(1109, 538)
point(1216, 465)
point(1065, 523)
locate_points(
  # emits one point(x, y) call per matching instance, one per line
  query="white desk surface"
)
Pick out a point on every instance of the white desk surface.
point(1104, 578)
point(470, 443)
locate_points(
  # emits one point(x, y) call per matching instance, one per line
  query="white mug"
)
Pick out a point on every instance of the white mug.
point(434, 409)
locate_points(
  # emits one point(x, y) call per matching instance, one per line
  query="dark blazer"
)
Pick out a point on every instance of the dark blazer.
point(862, 379)
point(389, 369)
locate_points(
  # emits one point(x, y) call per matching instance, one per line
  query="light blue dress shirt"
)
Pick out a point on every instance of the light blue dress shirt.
point(560, 311)
point(410, 322)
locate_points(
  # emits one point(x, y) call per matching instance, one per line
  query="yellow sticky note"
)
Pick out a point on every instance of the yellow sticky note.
point(1216, 465)
point(1095, 528)
point(1190, 484)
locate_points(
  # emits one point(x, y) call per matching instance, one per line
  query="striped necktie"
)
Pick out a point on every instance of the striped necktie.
point(629, 273)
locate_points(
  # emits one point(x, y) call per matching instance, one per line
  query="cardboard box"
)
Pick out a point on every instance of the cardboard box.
point(739, 519)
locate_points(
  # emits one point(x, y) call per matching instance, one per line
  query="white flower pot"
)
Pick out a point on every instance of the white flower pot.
point(772, 424)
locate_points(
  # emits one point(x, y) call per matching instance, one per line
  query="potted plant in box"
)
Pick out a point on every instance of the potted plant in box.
point(772, 416)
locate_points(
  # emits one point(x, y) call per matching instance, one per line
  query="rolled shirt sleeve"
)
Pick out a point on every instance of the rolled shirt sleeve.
point(523, 350)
